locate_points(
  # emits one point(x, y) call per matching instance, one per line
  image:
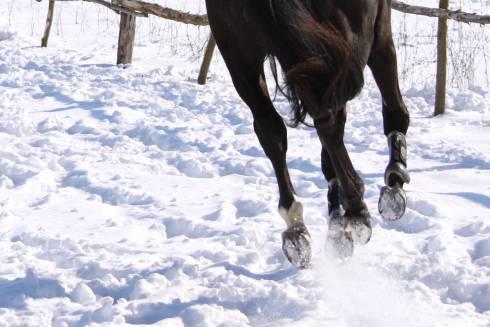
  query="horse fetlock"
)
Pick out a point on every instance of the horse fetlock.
point(296, 245)
point(293, 215)
point(396, 174)
point(333, 195)
point(335, 213)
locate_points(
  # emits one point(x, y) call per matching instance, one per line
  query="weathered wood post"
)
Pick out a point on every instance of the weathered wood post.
point(441, 77)
point(206, 62)
point(127, 31)
point(49, 22)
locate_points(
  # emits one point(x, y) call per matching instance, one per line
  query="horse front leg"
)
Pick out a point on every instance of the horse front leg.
point(338, 236)
point(333, 195)
point(383, 64)
point(355, 224)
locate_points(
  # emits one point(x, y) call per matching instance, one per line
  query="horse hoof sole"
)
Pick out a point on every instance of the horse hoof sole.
point(392, 203)
point(360, 232)
point(297, 246)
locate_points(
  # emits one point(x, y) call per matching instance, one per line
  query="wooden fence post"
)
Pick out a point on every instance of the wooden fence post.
point(127, 31)
point(206, 62)
point(441, 77)
point(49, 22)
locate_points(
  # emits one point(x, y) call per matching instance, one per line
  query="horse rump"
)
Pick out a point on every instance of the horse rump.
point(321, 70)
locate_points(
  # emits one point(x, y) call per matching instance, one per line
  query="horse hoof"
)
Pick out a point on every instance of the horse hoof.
point(392, 203)
point(359, 229)
point(344, 232)
point(340, 242)
point(296, 245)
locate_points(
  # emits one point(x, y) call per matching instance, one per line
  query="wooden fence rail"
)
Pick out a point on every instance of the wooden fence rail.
point(163, 12)
point(457, 15)
point(143, 8)
point(129, 9)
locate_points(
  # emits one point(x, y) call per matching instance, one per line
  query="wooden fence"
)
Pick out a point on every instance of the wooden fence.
point(130, 9)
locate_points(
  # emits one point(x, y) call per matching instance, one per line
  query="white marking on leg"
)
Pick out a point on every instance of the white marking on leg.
point(332, 182)
point(295, 213)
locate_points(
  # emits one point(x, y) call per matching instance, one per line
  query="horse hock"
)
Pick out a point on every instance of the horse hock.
point(393, 199)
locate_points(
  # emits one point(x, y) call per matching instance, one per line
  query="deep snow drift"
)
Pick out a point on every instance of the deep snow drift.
point(135, 196)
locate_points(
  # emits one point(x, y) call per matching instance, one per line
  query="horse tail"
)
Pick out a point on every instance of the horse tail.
point(321, 70)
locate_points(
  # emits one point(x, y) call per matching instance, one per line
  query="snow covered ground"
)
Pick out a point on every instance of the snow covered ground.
point(134, 196)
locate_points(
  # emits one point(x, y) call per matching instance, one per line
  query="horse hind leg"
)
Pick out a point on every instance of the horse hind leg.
point(248, 77)
point(271, 132)
point(354, 226)
point(383, 64)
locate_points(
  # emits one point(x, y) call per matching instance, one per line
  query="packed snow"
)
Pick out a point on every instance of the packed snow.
point(135, 196)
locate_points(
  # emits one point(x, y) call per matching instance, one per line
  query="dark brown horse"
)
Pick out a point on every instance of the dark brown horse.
point(322, 47)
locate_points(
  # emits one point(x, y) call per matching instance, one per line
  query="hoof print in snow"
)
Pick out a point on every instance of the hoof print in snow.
point(296, 245)
point(392, 203)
